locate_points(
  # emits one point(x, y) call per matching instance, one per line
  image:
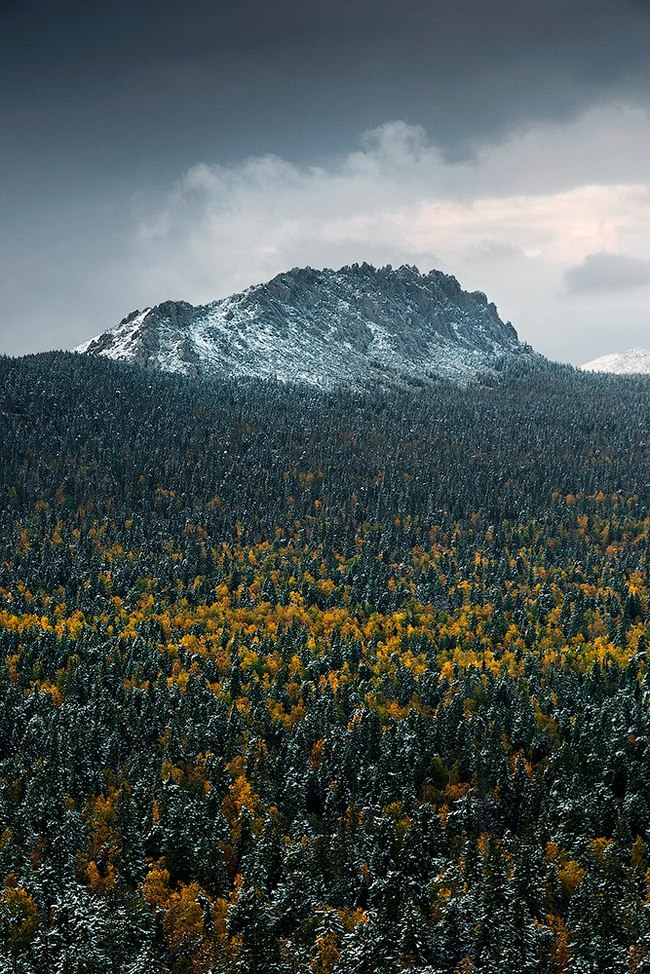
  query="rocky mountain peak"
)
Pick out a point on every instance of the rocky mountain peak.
point(357, 325)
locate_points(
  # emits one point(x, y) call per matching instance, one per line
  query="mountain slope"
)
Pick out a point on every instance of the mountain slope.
point(353, 326)
point(633, 362)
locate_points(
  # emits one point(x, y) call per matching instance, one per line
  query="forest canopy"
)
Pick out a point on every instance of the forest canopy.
point(298, 681)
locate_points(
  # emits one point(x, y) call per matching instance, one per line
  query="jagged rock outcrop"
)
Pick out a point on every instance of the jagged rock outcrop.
point(358, 326)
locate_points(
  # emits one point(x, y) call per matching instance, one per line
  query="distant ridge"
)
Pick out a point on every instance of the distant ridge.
point(354, 326)
point(636, 361)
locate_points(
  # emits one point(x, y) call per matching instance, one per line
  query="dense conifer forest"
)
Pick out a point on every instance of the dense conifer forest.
point(294, 681)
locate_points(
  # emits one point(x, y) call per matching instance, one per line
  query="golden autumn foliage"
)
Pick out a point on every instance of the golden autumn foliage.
point(328, 954)
point(23, 913)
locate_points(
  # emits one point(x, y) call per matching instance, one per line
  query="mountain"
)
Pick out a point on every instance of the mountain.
point(633, 362)
point(355, 326)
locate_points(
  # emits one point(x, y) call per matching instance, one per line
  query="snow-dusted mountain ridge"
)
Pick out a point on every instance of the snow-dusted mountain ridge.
point(354, 326)
point(636, 361)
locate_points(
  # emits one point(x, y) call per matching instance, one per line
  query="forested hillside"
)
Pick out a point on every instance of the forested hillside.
point(306, 682)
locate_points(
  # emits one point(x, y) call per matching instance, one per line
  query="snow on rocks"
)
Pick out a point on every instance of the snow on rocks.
point(357, 326)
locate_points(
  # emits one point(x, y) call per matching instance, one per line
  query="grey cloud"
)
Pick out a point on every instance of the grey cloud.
point(607, 272)
point(129, 87)
point(489, 251)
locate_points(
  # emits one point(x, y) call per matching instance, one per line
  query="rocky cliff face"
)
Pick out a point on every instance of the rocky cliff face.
point(356, 326)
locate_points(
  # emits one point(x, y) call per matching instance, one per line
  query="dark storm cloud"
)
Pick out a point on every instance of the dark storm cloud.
point(131, 85)
point(607, 272)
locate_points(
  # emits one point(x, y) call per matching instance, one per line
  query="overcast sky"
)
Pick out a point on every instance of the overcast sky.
point(188, 149)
